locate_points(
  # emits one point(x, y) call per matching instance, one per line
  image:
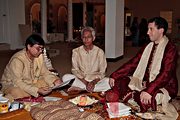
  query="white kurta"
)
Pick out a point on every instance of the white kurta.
point(89, 66)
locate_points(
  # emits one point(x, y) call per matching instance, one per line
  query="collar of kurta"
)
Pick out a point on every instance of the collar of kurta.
point(136, 79)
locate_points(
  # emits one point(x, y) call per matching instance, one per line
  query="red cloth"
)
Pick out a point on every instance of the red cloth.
point(165, 79)
point(31, 99)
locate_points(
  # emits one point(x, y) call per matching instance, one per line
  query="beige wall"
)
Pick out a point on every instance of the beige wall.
point(11, 15)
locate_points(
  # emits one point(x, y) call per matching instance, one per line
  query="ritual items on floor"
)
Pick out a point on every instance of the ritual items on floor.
point(4, 104)
point(7, 106)
point(111, 96)
point(31, 99)
point(28, 102)
point(61, 110)
point(83, 100)
point(117, 109)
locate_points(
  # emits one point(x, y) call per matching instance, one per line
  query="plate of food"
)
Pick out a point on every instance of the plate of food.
point(83, 100)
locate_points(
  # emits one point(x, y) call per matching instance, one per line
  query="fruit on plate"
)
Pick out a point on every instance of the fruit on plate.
point(31, 99)
point(83, 100)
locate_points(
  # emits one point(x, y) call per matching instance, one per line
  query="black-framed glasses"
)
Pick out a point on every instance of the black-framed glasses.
point(39, 48)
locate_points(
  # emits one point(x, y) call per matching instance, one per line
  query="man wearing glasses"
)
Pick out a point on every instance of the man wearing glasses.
point(26, 73)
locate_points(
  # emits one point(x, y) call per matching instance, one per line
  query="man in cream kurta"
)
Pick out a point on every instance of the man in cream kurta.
point(88, 65)
point(26, 73)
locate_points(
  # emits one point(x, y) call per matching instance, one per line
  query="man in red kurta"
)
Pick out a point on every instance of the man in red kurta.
point(150, 72)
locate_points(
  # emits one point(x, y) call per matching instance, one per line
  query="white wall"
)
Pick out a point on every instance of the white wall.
point(12, 13)
point(114, 31)
point(3, 21)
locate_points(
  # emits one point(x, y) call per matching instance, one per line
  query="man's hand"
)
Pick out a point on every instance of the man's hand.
point(145, 97)
point(90, 86)
point(84, 81)
point(44, 90)
point(111, 82)
point(57, 82)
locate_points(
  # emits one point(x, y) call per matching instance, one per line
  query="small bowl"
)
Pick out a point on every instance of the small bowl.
point(3, 99)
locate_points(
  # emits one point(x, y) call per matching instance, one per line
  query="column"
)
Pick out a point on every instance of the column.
point(44, 20)
point(84, 13)
point(114, 28)
point(70, 21)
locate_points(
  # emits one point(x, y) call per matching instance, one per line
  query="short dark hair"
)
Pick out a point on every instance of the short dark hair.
point(160, 23)
point(34, 39)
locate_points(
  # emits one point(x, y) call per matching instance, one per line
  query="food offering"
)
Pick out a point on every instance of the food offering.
point(83, 100)
point(28, 102)
point(3, 105)
point(7, 106)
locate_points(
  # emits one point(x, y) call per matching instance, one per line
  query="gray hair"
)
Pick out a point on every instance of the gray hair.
point(87, 28)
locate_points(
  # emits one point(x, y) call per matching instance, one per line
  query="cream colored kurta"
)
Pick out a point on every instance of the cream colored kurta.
point(24, 73)
point(89, 65)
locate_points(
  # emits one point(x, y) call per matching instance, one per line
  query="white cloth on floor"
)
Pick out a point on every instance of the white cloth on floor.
point(117, 109)
point(102, 85)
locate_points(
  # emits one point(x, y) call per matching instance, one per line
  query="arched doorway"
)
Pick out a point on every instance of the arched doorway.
point(35, 17)
point(62, 20)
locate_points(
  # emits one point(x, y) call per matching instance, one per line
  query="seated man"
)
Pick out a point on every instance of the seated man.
point(26, 73)
point(88, 65)
point(151, 74)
